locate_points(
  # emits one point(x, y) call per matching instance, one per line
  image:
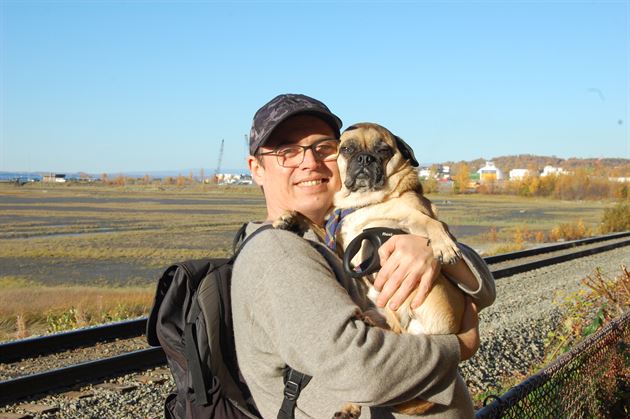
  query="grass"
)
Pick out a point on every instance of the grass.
point(139, 226)
point(111, 241)
point(28, 308)
point(500, 223)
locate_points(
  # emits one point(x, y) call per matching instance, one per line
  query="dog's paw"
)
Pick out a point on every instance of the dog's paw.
point(444, 247)
point(292, 221)
point(446, 252)
point(349, 411)
point(371, 317)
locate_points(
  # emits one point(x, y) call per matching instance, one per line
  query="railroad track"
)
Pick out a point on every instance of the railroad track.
point(17, 386)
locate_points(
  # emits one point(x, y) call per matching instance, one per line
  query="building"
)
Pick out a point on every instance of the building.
point(54, 178)
point(424, 173)
point(551, 170)
point(233, 179)
point(490, 173)
point(518, 174)
point(619, 179)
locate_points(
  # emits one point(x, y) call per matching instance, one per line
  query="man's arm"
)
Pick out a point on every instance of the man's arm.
point(408, 263)
point(313, 324)
point(468, 337)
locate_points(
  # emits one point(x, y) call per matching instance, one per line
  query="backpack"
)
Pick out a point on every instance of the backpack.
point(191, 319)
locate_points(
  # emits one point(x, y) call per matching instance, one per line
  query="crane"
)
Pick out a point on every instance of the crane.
point(216, 172)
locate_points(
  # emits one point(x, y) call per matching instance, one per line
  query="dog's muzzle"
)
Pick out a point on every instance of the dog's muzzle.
point(365, 172)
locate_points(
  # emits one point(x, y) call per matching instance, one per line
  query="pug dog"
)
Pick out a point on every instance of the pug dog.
point(381, 186)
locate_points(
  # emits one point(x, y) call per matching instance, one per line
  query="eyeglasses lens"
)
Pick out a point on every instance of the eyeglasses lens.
point(293, 155)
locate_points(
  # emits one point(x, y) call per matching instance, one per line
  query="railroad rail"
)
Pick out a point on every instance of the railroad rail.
point(502, 265)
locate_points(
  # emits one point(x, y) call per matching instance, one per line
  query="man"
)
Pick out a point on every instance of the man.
point(293, 305)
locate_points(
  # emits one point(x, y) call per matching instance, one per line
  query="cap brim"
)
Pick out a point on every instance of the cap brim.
point(332, 120)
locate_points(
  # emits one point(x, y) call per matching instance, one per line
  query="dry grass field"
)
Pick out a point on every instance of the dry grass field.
point(72, 255)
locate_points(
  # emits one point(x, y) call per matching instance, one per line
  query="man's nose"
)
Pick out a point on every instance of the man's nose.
point(309, 159)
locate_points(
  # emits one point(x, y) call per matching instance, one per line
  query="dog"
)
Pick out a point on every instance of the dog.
point(381, 185)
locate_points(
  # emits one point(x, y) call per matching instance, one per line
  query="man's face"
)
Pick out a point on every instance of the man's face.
point(308, 188)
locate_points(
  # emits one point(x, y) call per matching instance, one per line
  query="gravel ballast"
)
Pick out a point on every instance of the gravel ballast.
point(512, 330)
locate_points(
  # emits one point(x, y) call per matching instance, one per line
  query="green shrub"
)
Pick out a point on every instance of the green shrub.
point(59, 322)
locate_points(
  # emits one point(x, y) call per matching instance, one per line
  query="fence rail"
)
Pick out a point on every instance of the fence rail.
point(592, 380)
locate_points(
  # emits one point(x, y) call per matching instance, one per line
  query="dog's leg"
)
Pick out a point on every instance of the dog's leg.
point(442, 242)
point(393, 321)
point(427, 206)
point(414, 407)
point(292, 221)
point(298, 223)
point(348, 411)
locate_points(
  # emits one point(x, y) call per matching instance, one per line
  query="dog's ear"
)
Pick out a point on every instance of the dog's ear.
point(406, 151)
point(351, 127)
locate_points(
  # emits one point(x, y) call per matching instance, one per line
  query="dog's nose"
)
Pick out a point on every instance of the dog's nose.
point(364, 159)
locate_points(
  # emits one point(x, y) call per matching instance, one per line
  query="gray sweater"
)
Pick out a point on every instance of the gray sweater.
point(293, 305)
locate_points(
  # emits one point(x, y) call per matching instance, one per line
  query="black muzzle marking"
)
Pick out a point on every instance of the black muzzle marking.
point(365, 172)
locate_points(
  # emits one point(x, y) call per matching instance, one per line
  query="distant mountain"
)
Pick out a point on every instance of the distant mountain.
point(20, 175)
point(133, 174)
point(174, 173)
point(607, 166)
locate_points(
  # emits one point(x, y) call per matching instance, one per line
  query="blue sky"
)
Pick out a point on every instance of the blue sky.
point(112, 86)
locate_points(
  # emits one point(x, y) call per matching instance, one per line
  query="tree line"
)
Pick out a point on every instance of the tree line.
point(580, 184)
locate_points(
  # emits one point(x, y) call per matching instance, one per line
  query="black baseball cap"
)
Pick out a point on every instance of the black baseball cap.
point(278, 109)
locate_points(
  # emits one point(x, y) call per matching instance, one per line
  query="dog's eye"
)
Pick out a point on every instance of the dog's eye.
point(385, 151)
point(346, 150)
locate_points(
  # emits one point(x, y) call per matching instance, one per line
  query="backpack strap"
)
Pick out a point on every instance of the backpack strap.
point(200, 386)
point(294, 382)
point(239, 237)
point(239, 243)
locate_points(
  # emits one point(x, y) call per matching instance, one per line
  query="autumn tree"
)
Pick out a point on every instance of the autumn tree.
point(489, 187)
point(461, 178)
point(429, 185)
point(620, 191)
point(120, 180)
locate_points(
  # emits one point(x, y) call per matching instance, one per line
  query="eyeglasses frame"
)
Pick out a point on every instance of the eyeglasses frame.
point(311, 147)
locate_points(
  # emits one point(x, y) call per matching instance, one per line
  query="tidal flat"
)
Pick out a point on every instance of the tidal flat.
point(98, 235)
point(77, 255)
point(124, 236)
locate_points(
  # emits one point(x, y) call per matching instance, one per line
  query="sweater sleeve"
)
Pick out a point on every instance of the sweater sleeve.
point(312, 323)
point(485, 293)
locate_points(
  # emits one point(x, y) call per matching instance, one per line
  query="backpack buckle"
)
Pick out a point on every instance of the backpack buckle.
point(291, 390)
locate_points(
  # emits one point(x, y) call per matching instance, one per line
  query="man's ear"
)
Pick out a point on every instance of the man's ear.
point(256, 169)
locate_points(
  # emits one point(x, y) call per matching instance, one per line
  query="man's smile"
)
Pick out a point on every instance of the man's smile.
point(312, 182)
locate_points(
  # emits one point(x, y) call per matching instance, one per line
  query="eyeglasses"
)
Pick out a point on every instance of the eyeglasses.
point(292, 155)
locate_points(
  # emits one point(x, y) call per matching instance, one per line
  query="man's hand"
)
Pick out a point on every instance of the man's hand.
point(407, 263)
point(468, 336)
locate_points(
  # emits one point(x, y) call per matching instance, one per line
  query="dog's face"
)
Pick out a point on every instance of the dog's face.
point(368, 157)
